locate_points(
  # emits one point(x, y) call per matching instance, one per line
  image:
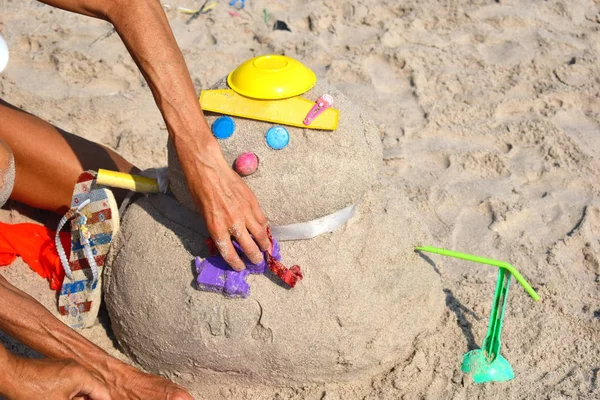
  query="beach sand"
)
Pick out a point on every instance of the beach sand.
point(490, 117)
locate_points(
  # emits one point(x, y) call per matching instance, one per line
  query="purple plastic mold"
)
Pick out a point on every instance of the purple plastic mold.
point(215, 275)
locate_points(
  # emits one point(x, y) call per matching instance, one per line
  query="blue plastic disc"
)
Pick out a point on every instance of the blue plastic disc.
point(277, 137)
point(223, 127)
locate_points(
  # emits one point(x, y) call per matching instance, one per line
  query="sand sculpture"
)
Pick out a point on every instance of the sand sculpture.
point(365, 295)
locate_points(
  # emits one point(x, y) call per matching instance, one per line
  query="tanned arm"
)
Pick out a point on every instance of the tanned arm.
point(75, 365)
point(227, 204)
point(22, 378)
point(225, 201)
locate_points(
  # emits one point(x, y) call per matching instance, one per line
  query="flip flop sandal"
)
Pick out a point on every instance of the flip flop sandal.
point(95, 221)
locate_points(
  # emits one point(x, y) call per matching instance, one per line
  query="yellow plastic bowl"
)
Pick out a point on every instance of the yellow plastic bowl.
point(271, 77)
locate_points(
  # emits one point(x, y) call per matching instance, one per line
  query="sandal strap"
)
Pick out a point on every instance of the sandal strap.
point(59, 247)
point(84, 236)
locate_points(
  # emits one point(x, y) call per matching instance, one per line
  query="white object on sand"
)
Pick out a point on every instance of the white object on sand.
point(314, 228)
point(3, 54)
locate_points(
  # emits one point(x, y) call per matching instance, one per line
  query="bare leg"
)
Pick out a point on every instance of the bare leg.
point(48, 160)
point(7, 172)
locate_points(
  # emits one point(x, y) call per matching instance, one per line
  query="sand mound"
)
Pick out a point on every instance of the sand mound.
point(318, 173)
point(358, 309)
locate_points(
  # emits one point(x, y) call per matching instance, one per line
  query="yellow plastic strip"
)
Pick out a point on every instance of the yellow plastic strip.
point(208, 7)
point(121, 180)
point(284, 112)
point(190, 11)
point(185, 10)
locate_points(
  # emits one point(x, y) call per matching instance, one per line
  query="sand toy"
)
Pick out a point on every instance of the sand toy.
point(268, 88)
point(290, 111)
point(271, 77)
point(135, 183)
point(214, 275)
point(487, 364)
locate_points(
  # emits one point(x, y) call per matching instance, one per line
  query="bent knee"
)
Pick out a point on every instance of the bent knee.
point(7, 172)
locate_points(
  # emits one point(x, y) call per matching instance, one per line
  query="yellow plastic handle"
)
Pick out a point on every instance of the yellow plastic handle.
point(136, 183)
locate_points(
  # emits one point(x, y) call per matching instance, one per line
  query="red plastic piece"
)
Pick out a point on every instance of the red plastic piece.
point(290, 276)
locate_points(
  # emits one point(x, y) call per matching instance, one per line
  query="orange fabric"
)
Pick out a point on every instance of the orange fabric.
point(35, 244)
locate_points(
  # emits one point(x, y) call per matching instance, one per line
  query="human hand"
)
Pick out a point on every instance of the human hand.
point(127, 383)
point(52, 380)
point(228, 206)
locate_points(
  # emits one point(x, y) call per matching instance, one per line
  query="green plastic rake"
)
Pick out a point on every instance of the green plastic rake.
point(487, 364)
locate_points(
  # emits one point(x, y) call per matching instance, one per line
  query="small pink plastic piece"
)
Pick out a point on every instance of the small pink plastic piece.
point(246, 164)
point(322, 104)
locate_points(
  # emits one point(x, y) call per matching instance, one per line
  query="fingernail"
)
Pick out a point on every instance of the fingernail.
point(256, 258)
point(239, 267)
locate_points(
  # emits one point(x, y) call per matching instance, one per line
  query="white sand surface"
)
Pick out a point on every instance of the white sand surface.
point(490, 117)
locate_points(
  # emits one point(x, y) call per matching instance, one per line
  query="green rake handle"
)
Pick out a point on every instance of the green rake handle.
point(491, 342)
point(500, 264)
